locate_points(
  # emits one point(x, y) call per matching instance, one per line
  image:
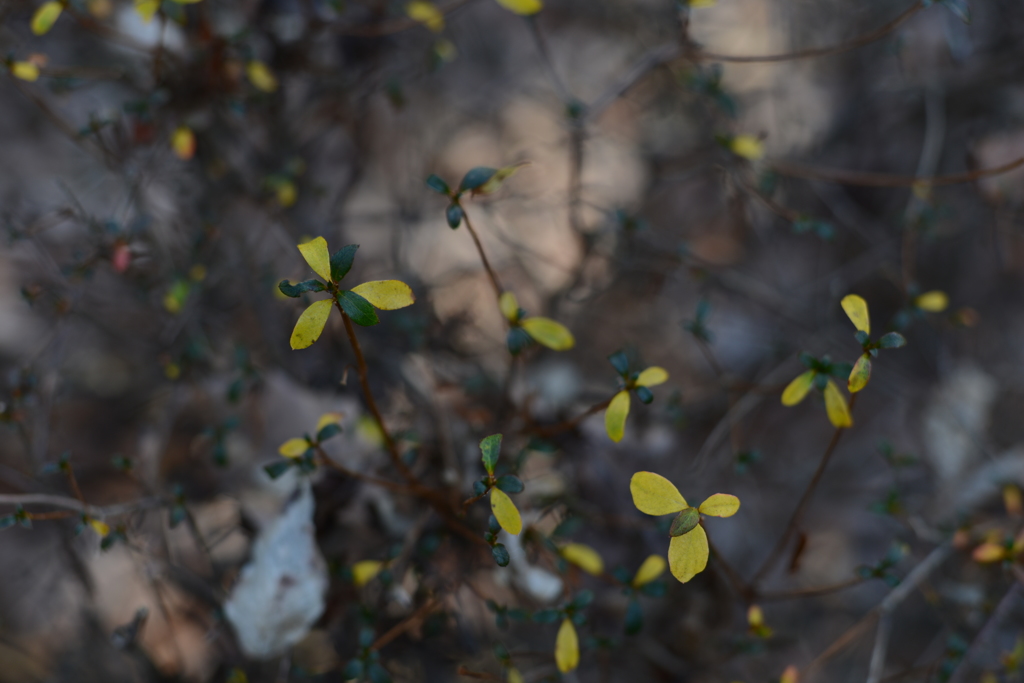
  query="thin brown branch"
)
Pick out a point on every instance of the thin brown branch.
point(412, 621)
point(483, 257)
point(794, 520)
point(566, 425)
point(77, 505)
point(810, 592)
point(853, 44)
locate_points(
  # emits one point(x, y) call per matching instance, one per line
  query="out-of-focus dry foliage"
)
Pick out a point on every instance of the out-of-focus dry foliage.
point(703, 213)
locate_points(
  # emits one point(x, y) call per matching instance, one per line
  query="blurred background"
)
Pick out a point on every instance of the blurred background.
point(157, 175)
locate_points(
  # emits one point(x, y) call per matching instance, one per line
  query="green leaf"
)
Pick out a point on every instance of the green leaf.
point(644, 394)
point(310, 324)
point(276, 469)
point(620, 362)
point(453, 214)
point(328, 431)
point(517, 340)
point(509, 483)
point(341, 261)
point(892, 340)
point(438, 185)
point(476, 177)
point(490, 448)
point(684, 522)
point(300, 288)
point(7, 521)
point(353, 670)
point(359, 309)
point(546, 616)
point(501, 555)
point(378, 674)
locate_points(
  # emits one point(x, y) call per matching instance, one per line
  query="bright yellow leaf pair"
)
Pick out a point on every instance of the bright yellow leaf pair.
point(835, 404)
point(297, 447)
point(688, 552)
point(567, 647)
point(584, 557)
point(386, 295)
point(544, 331)
point(618, 410)
point(746, 146)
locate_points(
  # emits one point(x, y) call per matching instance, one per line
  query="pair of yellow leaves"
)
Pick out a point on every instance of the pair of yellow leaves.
point(297, 447)
point(386, 295)
point(25, 71)
point(544, 331)
point(746, 146)
point(835, 404)
point(688, 554)
point(618, 410)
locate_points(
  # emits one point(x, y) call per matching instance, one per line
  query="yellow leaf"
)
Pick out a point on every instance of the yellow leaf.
point(857, 309)
point(755, 616)
point(651, 569)
point(703, 3)
point(567, 647)
point(933, 302)
point(652, 376)
point(310, 324)
point(514, 676)
point(860, 375)
point(146, 9)
point(46, 16)
point(100, 527)
point(500, 176)
point(747, 146)
point(549, 333)
point(688, 554)
point(989, 552)
point(1012, 500)
point(615, 416)
point(286, 193)
point(183, 142)
point(369, 431)
point(653, 494)
point(523, 7)
point(387, 295)
point(790, 675)
point(364, 571)
point(316, 255)
point(509, 306)
point(293, 448)
point(720, 505)
point(835, 406)
point(427, 14)
point(798, 388)
point(584, 557)
point(26, 71)
point(329, 419)
point(261, 76)
point(505, 512)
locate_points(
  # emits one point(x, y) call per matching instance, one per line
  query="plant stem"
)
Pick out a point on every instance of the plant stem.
point(483, 257)
point(794, 520)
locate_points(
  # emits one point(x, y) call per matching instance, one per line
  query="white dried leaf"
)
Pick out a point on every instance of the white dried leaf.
point(280, 593)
